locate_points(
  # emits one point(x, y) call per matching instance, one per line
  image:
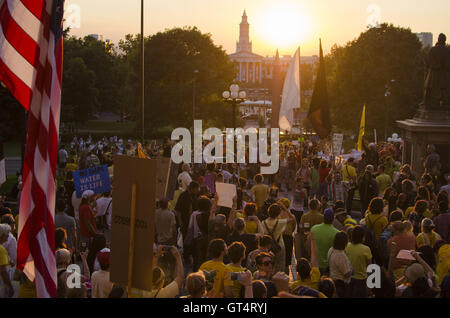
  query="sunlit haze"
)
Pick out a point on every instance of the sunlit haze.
point(282, 23)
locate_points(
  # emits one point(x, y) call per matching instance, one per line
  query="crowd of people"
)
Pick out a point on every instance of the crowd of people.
point(311, 230)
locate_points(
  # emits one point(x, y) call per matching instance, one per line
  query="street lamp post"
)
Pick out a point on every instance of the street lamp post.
point(387, 94)
point(234, 97)
point(193, 97)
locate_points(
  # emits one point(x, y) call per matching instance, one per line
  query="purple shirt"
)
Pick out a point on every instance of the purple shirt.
point(210, 181)
point(442, 223)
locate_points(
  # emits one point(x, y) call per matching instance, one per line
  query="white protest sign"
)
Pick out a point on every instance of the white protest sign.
point(226, 193)
point(337, 144)
point(2, 172)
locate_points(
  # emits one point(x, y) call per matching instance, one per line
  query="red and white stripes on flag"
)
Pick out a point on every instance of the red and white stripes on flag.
point(31, 68)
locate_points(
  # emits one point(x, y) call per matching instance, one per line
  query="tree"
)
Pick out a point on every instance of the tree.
point(101, 58)
point(12, 119)
point(171, 57)
point(358, 74)
point(79, 96)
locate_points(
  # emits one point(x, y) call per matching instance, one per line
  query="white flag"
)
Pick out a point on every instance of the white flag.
point(291, 94)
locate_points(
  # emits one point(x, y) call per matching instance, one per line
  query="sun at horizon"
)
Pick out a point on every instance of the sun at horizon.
point(284, 25)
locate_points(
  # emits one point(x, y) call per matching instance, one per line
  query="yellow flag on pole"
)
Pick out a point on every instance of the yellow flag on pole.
point(362, 127)
point(141, 152)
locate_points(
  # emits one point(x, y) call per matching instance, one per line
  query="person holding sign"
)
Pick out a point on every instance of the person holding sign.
point(88, 227)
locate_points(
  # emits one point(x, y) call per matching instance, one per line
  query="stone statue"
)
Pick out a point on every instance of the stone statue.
point(438, 73)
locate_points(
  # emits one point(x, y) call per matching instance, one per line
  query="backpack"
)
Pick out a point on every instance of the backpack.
point(369, 236)
point(276, 248)
point(382, 247)
point(416, 220)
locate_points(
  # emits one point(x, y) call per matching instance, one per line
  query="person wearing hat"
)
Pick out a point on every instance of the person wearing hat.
point(419, 278)
point(343, 221)
point(428, 236)
point(87, 220)
point(101, 284)
point(324, 237)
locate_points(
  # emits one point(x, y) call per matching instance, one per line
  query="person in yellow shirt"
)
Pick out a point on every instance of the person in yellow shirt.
point(375, 221)
point(308, 273)
point(217, 249)
point(172, 289)
point(307, 221)
point(428, 236)
point(252, 224)
point(443, 266)
point(421, 207)
point(6, 288)
point(260, 191)
point(349, 176)
point(236, 253)
point(360, 257)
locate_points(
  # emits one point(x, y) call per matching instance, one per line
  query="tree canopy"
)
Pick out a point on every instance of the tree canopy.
point(358, 74)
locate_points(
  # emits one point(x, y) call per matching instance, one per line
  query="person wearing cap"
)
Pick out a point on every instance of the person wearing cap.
point(343, 221)
point(87, 221)
point(428, 236)
point(419, 280)
point(324, 237)
point(101, 284)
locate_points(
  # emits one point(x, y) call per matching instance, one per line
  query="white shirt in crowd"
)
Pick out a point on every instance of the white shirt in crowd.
point(184, 179)
point(226, 176)
point(101, 285)
point(63, 155)
point(104, 207)
point(76, 204)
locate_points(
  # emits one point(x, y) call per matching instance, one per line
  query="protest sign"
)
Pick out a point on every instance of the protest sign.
point(337, 144)
point(95, 179)
point(226, 193)
point(162, 176)
point(2, 171)
point(129, 173)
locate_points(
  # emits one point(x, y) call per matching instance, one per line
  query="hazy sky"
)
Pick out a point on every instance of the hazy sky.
point(273, 23)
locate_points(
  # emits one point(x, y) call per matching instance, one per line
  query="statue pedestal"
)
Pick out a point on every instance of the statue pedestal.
point(427, 127)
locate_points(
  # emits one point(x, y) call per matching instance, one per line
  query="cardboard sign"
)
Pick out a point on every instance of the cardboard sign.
point(337, 144)
point(95, 179)
point(406, 255)
point(2, 172)
point(142, 172)
point(226, 193)
point(162, 177)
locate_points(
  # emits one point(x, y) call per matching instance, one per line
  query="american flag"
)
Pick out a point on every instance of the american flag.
point(31, 68)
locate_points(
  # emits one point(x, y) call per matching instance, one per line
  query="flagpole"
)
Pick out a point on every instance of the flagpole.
point(299, 88)
point(142, 72)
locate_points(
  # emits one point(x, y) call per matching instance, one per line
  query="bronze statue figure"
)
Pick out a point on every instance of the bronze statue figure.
point(438, 73)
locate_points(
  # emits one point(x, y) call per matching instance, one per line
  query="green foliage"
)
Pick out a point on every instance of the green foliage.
point(79, 97)
point(171, 57)
point(358, 74)
point(12, 118)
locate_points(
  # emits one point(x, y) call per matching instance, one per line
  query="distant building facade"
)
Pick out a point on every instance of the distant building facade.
point(426, 38)
point(254, 68)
